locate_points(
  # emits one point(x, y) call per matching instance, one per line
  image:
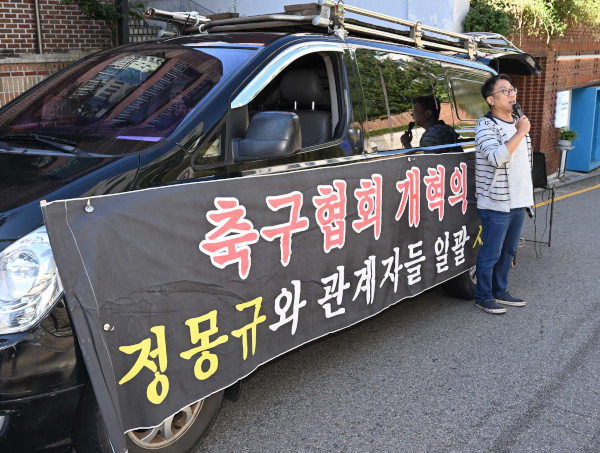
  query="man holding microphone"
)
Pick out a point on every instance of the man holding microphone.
point(504, 161)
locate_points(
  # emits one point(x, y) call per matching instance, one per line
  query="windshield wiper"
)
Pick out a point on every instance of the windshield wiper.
point(5, 146)
point(63, 145)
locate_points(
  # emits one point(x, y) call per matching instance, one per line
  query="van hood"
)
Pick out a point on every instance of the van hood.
point(26, 179)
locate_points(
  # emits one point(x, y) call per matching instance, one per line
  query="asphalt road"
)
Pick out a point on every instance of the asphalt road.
point(435, 374)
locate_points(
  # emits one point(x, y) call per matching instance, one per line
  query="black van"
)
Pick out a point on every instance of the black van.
point(196, 105)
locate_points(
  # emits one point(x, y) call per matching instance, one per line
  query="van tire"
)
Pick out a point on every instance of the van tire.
point(89, 433)
point(463, 285)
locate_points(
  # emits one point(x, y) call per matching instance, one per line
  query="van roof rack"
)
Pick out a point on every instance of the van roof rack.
point(330, 14)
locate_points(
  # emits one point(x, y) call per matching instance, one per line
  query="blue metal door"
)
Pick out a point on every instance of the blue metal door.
point(585, 119)
point(595, 154)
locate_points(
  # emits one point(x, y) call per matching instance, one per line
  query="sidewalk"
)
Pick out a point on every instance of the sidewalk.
point(571, 177)
point(541, 197)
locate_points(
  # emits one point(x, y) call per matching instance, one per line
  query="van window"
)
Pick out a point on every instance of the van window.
point(310, 87)
point(118, 101)
point(392, 84)
point(209, 153)
point(468, 101)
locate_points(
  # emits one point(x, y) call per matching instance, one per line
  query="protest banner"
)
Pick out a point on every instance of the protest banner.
point(180, 291)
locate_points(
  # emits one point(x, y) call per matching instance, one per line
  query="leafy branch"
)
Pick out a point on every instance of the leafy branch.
point(109, 13)
point(549, 18)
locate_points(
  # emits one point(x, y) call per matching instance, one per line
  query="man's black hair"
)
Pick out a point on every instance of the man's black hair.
point(429, 103)
point(488, 87)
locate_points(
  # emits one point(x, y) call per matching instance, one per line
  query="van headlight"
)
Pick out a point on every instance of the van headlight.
point(29, 282)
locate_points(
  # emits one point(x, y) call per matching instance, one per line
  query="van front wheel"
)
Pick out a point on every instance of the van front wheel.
point(180, 433)
point(463, 285)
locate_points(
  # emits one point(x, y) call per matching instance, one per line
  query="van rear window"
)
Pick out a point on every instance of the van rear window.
point(117, 102)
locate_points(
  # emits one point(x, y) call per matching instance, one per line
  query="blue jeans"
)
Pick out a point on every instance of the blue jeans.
point(500, 235)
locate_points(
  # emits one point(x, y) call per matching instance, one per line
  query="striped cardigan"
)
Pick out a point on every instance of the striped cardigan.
point(492, 165)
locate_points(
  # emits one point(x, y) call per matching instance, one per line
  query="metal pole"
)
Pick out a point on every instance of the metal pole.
point(551, 217)
point(123, 22)
point(38, 26)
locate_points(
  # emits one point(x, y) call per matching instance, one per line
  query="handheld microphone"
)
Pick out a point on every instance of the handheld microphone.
point(410, 126)
point(530, 212)
point(517, 109)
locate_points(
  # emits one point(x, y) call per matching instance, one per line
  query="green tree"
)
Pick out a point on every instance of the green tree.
point(484, 16)
point(549, 18)
point(109, 13)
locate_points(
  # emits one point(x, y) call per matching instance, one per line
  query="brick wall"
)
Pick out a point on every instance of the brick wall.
point(18, 74)
point(67, 35)
point(17, 28)
point(63, 28)
point(570, 62)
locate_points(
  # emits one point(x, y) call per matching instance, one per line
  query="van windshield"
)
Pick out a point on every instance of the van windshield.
point(120, 102)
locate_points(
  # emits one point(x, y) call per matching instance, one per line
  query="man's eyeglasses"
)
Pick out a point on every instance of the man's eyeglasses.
point(506, 92)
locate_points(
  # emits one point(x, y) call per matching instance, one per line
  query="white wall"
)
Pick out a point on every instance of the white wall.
point(445, 14)
point(181, 5)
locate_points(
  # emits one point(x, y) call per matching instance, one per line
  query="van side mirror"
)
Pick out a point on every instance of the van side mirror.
point(270, 134)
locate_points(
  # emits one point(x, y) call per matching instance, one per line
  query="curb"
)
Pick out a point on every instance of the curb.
point(570, 177)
